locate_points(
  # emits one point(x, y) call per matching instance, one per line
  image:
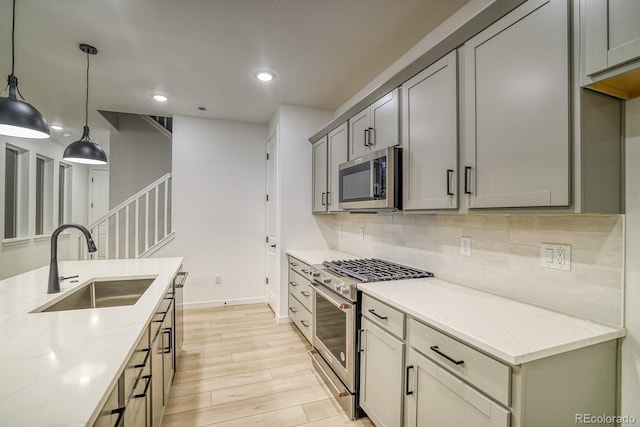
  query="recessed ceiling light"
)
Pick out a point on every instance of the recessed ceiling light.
point(264, 76)
point(67, 134)
point(160, 98)
point(56, 127)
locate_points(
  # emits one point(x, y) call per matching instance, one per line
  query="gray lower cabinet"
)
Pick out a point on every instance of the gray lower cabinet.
point(517, 115)
point(301, 297)
point(430, 137)
point(142, 390)
point(381, 363)
point(434, 397)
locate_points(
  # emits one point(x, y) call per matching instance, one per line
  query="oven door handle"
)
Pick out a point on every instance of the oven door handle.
point(333, 299)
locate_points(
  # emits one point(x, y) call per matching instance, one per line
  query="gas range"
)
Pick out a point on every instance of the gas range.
point(342, 277)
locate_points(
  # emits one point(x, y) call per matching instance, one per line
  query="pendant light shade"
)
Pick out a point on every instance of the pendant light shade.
point(19, 118)
point(85, 150)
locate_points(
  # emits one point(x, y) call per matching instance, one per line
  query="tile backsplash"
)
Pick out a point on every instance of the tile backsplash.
point(505, 254)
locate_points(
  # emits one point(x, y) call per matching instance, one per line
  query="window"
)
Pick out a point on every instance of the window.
point(39, 196)
point(64, 193)
point(16, 192)
point(11, 194)
point(44, 195)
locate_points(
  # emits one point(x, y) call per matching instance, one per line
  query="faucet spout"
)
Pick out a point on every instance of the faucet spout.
point(54, 279)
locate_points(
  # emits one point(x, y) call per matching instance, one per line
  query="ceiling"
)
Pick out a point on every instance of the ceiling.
point(204, 53)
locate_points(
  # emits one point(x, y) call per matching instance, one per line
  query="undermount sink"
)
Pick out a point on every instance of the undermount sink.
point(102, 293)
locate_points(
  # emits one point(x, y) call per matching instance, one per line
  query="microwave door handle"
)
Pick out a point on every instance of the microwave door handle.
point(372, 178)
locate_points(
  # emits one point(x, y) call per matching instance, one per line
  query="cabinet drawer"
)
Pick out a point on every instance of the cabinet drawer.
point(301, 317)
point(487, 374)
point(137, 363)
point(383, 315)
point(300, 267)
point(299, 287)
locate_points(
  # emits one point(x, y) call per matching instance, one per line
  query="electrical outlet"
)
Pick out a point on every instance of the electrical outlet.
point(465, 246)
point(218, 280)
point(555, 256)
point(361, 233)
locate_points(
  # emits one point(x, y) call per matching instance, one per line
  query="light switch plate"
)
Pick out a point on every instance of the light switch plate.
point(555, 256)
point(465, 246)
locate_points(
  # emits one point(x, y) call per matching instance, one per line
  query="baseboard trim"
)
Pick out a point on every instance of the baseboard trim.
point(210, 304)
point(282, 319)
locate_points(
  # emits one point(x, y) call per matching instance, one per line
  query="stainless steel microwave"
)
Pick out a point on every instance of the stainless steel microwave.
point(372, 182)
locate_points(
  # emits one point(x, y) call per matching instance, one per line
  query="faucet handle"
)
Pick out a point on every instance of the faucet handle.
point(61, 278)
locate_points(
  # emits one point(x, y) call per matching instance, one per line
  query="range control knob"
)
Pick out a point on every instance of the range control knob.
point(314, 272)
point(345, 290)
point(338, 286)
point(326, 279)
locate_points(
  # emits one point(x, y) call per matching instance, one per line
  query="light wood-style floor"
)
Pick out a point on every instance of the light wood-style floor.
point(239, 368)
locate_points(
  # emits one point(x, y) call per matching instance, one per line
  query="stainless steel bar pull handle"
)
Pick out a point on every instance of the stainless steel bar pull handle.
point(322, 199)
point(371, 137)
point(305, 294)
point(293, 283)
point(449, 175)
point(366, 137)
point(293, 310)
point(304, 323)
point(436, 349)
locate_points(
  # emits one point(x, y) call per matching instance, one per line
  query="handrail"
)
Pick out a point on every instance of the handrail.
point(129, 200)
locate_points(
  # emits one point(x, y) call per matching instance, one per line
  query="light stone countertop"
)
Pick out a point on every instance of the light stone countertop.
point(57, 368)
point(311, 256)
point(511, 331)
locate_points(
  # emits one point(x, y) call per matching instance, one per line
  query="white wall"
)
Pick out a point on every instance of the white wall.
point(631, 344)
point(296, 227)
point(219, 209)
point(24, 255)
point(139, 154)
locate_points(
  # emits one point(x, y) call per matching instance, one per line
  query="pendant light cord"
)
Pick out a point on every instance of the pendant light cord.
point(86, 104)
point(13, 37)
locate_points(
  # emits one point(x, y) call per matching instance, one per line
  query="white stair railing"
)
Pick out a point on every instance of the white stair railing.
point(136, 227)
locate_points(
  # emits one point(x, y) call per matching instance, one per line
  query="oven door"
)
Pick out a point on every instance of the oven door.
point(334, 333)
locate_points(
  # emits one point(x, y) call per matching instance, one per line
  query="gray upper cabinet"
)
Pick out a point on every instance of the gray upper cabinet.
point(376, 127)
point(611, 33)
point(319, 203)
point(338, 147)
point(517, 113)
point(430, 137)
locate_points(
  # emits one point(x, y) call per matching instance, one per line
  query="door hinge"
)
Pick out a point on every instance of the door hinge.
point(266, 280)
point(267, 197)
point(91, 205)
point(91, 179)
point(266, 239)
point(267, 156)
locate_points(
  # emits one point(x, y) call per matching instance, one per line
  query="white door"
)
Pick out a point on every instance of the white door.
point(271, 287)
point(98, 207)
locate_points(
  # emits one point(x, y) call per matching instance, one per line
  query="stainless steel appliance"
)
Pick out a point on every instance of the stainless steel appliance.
point(336, 320)
point(371, 182)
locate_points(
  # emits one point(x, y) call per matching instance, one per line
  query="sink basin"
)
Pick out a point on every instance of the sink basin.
point(102, 293)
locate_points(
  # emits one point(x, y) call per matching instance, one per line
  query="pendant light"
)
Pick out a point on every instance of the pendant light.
point(19, 118)
point(85, 150)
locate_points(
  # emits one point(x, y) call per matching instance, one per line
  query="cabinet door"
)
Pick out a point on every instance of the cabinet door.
point(157, 379)
point(517, 109)
point(381, 375)
point(437, 398)
point(385, 121)
point(168, 347)
point(359, 138)
point(430, 137)
point(320, 176)
point(338, 148)
point(611, 31)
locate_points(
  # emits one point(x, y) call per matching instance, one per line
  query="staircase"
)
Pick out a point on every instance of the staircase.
point(137, 227)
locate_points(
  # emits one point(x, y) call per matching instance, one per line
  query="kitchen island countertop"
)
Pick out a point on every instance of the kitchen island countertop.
point(58, 367)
